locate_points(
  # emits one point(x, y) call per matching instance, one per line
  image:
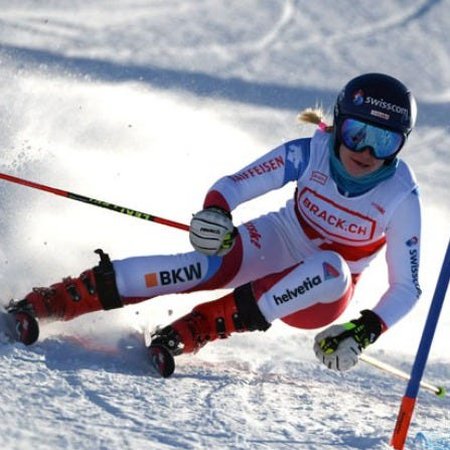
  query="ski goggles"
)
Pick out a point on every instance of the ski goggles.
point(383, 143)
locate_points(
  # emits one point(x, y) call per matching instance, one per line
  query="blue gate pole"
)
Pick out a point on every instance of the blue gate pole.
point(409, 399)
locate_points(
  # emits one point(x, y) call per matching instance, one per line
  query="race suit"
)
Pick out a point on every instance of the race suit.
point(302, 261)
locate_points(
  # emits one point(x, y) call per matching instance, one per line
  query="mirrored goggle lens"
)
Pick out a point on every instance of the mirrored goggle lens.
point(357, 136)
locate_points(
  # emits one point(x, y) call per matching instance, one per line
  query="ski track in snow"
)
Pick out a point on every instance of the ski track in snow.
point(90, 399)
point(99, 99)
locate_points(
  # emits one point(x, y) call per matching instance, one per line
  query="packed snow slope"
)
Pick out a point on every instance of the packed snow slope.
point(145, 104)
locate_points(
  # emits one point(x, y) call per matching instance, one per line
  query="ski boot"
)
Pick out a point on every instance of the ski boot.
point(93, 290)
point(236, 312)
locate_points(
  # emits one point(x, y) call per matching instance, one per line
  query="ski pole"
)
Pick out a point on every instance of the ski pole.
point(440, 391)
point(333, 342)
point(409, 399)
point(94, 202)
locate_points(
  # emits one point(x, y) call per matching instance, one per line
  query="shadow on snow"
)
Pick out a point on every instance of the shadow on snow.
point(201, 84)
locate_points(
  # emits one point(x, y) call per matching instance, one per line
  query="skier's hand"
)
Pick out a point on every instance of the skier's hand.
point(339, 346)
point(212, 231)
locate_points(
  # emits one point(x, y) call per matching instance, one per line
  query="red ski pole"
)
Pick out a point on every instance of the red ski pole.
point(95, 202)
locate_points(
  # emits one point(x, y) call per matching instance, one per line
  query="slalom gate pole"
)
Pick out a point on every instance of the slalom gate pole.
point(409, 399)
point(94, 202)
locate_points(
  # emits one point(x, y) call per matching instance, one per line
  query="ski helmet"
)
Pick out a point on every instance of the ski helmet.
point(377, 99)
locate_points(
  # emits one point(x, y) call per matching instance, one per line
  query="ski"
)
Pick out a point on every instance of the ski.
point(18, 325)
point(161, 359)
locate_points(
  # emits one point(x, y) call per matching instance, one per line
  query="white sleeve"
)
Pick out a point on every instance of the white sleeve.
point(402, 256)
point(272, 171)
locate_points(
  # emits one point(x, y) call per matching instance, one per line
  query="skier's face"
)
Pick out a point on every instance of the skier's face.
point(358, 164)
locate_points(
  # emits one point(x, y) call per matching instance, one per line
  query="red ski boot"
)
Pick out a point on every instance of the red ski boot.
point(93, 290)
point(236, 312)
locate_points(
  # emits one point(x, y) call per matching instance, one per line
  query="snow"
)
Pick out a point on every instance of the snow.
point(100, 98)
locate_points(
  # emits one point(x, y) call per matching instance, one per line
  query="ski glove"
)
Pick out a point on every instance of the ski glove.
point(212, 231)
point(339, 346)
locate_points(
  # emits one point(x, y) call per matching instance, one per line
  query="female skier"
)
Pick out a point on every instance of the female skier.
point(353, 196)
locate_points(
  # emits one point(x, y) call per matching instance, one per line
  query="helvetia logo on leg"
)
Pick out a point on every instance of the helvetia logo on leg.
point(290, 294)
point(329, 272)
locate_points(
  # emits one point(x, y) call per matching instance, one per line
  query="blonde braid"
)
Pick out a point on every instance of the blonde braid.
point(315, 116)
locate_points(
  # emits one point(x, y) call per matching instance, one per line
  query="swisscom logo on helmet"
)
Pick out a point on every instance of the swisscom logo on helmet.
point(359, 98)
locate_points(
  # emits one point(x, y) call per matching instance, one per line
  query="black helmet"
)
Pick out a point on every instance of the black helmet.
point(378, 99)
